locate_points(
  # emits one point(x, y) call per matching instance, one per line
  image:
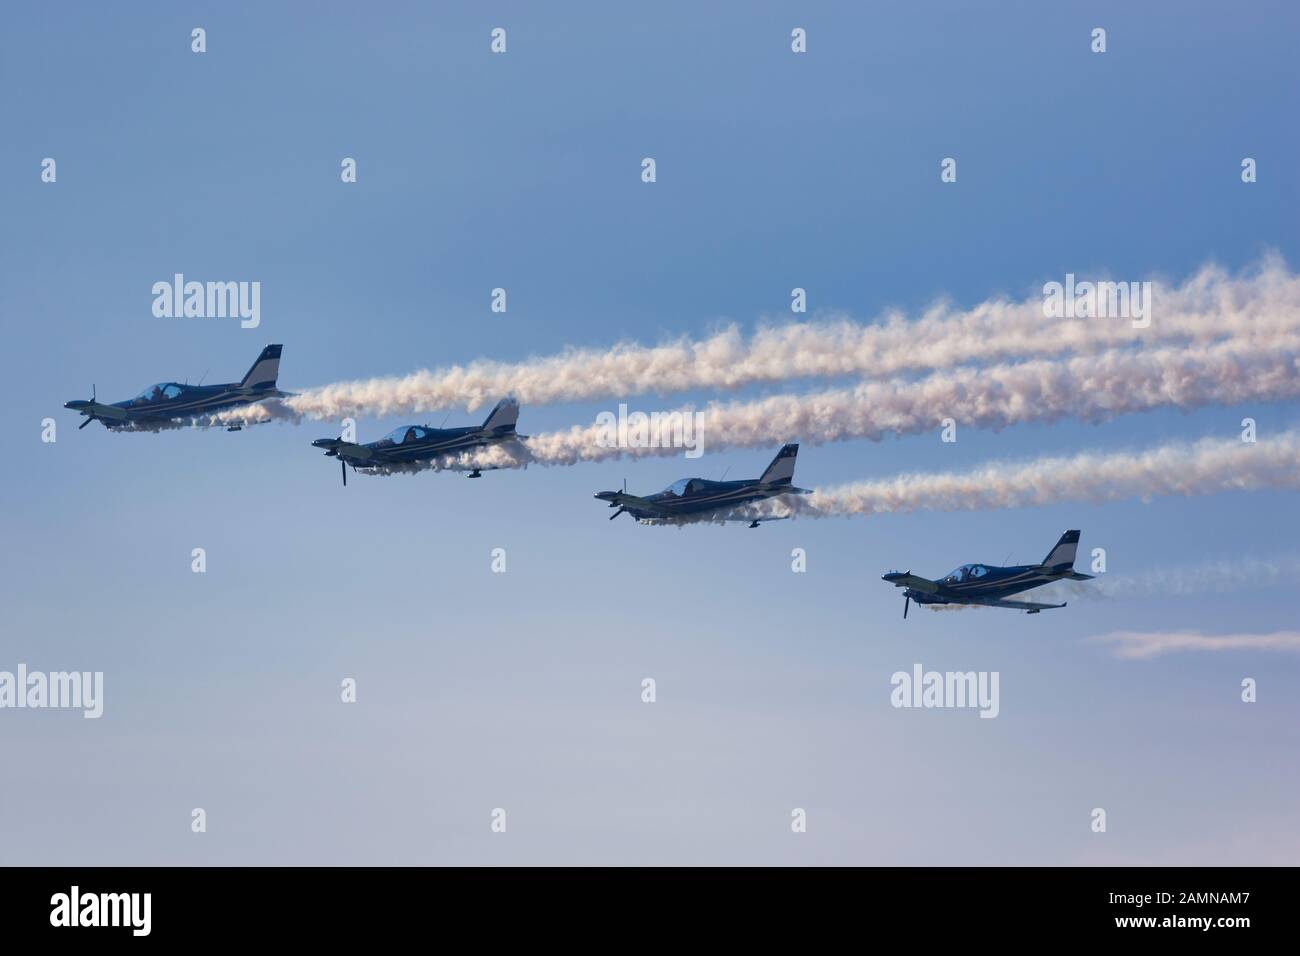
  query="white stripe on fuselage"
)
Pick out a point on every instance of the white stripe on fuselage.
point(420, 450)
point(734, 496)
point(193, 405)
point(1024, 577)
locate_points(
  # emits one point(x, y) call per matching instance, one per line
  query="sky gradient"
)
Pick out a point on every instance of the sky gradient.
point(522, 690)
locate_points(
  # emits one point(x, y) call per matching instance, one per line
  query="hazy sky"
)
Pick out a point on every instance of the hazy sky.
point(522, 690)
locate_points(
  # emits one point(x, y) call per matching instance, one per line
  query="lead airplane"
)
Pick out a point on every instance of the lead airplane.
point(989, 586)
point(418, 444)
point(168, 402)
point(691, 498)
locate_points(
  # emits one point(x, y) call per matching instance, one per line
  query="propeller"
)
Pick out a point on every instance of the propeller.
point(907, 600)
point(617, 513)
point(344, 465)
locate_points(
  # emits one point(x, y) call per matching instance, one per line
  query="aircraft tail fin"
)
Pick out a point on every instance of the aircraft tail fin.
point(503, 418)
point(265, 370)
point(1061, 557)
point(781, 471)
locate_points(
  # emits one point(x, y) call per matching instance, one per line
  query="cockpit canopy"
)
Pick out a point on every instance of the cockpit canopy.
point(154, 393)
point(407, 433)
point(967, 572)
point(683, 486)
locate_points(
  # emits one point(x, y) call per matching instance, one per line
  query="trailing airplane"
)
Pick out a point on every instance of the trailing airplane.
point(697, 497)
point(989, 586)
point(169, 402)
point(416, 444)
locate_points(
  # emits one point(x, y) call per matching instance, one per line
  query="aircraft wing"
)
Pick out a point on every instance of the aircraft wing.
point(468, 468)
point(1015, 605)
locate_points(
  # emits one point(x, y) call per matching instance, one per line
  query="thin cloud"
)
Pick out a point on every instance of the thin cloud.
point(1143, 645)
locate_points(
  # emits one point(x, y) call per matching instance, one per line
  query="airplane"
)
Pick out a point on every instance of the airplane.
point(989, 586)
point(414, 444)
point(169, 402)
point(690, 497)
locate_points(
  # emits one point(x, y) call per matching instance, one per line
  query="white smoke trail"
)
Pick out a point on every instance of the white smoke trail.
point(1091, 388)
point(1201, 468)
point(1205, 467)
point(491, 458)
point(1255, 306)
point(153, 427)
point(1210, 577)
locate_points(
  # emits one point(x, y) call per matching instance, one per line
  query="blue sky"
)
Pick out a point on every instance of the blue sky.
point(522, 690)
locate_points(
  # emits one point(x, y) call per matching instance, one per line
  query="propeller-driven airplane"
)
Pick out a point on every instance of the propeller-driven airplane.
point(990, 586)
point(416, 444)
point(169, 402)
point(692, 498)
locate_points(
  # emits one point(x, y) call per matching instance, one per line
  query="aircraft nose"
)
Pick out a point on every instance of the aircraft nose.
point(892, 576)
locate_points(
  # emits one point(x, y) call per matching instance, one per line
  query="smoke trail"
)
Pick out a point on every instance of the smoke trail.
point(1254, 306)
point(1091, 388)
point(156, 426)
point(491, 458)
point(1200, 468)
point(1211, 577)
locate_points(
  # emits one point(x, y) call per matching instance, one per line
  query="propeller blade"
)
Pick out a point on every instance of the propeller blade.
point(88, 420)
point(344, 466)
point(907, 600)
point(617, 513)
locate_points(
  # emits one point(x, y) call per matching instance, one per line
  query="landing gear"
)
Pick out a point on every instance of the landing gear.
point(475, 474)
